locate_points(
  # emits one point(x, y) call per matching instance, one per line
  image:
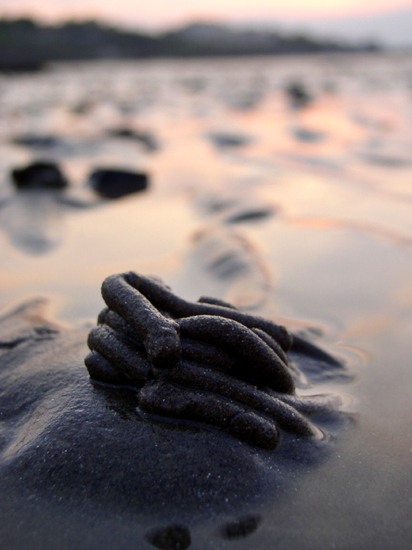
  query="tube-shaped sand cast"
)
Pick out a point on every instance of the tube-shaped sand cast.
point(205, 362)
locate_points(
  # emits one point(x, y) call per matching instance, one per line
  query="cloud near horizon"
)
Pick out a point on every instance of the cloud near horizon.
point(158, 13)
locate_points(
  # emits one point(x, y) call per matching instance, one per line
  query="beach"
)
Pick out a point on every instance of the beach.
point(294, 210)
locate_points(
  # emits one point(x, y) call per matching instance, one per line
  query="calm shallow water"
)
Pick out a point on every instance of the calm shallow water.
point(330, 254)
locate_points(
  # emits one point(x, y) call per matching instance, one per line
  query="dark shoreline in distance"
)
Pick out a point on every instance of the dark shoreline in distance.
point(26, 45)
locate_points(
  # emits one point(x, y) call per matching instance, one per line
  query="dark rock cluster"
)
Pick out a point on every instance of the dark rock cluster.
point(109, 183)
point(39, 175)
point(116, 183)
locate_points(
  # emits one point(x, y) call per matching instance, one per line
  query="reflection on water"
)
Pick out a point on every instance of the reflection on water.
point(299, 211)
point(32, 221)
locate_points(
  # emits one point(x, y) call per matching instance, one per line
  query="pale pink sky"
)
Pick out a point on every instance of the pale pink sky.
point(163, 13)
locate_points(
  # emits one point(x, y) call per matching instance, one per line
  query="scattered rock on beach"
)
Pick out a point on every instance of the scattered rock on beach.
point(298, 95)
point(115, 183)
point(39, 175)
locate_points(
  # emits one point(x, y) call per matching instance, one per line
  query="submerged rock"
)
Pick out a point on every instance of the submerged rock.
point(115, 183)
point(39, 175)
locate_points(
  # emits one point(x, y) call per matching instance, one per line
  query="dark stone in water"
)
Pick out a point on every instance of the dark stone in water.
point(298, 95)
point(206, 362)
point(172, 537)
point(39, 175)
point(114, 184)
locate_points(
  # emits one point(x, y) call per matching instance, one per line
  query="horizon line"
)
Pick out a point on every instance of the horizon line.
point(201, 18)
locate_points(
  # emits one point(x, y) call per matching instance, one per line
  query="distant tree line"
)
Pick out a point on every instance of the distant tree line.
point(25, 44)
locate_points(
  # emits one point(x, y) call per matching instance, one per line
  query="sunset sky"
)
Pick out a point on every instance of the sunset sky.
point(158, 14)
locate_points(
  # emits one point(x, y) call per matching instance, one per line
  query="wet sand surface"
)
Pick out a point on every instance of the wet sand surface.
point(300, 215)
